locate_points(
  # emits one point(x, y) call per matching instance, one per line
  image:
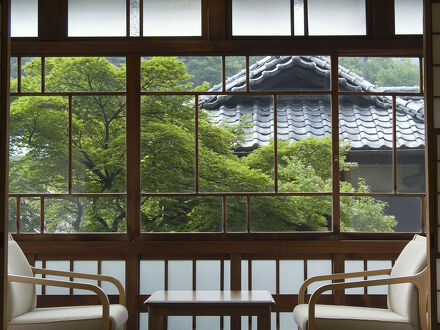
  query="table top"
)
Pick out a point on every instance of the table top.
point(211, 297)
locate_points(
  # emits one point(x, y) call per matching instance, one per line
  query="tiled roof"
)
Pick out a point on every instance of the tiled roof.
point(366, 121)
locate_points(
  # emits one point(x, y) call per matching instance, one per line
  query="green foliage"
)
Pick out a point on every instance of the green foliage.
point(39, 158)
point(384, 71)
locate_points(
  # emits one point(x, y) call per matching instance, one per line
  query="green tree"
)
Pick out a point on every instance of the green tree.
point(384, 71)
point(39, 154)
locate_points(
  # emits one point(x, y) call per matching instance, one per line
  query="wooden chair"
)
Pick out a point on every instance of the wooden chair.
point(21, 308)
point(407, 297)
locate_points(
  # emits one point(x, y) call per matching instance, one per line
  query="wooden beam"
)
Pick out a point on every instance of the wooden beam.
point(383, 18)
point(348, 46)
point(4, 147)
point(52, 19)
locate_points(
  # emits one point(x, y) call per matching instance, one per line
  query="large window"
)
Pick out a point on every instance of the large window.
point(249, 152)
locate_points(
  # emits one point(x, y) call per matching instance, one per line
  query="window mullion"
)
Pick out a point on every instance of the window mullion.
point(336, 225)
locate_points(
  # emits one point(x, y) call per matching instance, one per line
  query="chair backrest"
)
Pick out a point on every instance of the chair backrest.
point(403, 298)
point(21, 296)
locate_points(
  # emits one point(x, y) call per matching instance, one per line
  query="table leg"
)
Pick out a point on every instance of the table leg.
point(264, 321)
point(155, 322)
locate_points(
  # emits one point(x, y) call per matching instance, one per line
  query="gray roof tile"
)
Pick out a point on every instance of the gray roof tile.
point(365, 121)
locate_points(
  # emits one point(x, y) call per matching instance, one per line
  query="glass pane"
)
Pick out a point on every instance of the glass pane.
point(13, 75)
point(172, 18)
point(24, 18)
point(304, 143)
point(73, 215)
point(264, 275)
point(97, 18)
point(168, 144)
point(181, 214)
point(236, 214)
point(291, 276)
point(338, 17)
point(88, 267)
point(366, 135)
point(354, 266)
point(290, 214)
point(379, 74)
point(235, 67)
point(134, 18)
point(152, 276)
point(180, 275)
point(30, 74)
point(98, 142)
point(30, 215)
point(62, 265)
point(376, 265)
point(381, 214)
point(236, 143)
point(410, 145)
point(261, 18)
point(298, 17)
point(38, 151)
point(116, 269)
point(12, 215)
point(183, 73)
point(317, 268)
point(290, 73)
point(408, 16)
point(85, 74)
point(208, 275)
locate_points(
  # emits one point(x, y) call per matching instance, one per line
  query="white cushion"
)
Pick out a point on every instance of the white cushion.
point(351, 318)
point(403, 298)
point(21, 296)
point(69, 318)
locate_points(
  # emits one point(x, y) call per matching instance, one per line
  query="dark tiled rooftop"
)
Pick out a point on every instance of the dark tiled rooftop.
point(366, 121)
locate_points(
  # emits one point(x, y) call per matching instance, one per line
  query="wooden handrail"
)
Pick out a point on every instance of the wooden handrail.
point(337, 276)
point(72, 285)
point(122, 299)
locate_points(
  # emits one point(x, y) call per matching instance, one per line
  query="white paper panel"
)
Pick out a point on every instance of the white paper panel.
point(97, 18)
point(114, 268)
point(261, 18)
point(38, 264)
point(180, 275)
point(208, 275)
point(408, 16)
point(208, 322)
point(244, 275)
point(63, 265)
point(352, 266)
point(264, 275)
point(143, 321)
point(24, 18)
point(179, 322)
point(376, 265)
point(88, 267)
point(291, 276)
point(316, 268)
point(287, 322)
point(337, 17)
point(227, 275)
point(152, 276)
point(172, 18)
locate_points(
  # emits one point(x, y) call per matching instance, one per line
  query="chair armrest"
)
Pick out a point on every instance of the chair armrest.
point(417, 279)
point(97, 277)
point(72, 285)
point(337, 276)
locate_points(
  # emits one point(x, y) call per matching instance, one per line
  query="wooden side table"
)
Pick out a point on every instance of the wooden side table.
point(209, 303)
